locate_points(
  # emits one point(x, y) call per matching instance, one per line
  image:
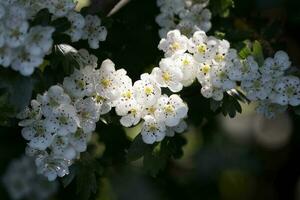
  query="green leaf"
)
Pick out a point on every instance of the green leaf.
point(258, 53)
point(215, 105)
point(18, 88)
point(297, 110)
point(172, 147)
point(157, 159)
point(61, 24)
point(230, 106)
point(87, 176)
point(67, 180)
point(221, 7)
point(154, 162)
point(43, 17)
point(246, 50)
point(7, 111)
point(138, 149)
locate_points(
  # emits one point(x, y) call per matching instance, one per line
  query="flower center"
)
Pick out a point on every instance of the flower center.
point(186, 61)
point(127, 94)
point(166, 76)
point(105, 82)
point(148, 90)
point(175, 46)
point(202, 48)
point(205, 68)
point(219, 57)
point(63, 120)
point(169, 109)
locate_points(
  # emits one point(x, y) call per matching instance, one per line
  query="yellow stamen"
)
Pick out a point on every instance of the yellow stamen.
point(219, 57)
point(175, 46)
point(166, 76)
point(148, 90)
point(105, 82)
point(202, 48)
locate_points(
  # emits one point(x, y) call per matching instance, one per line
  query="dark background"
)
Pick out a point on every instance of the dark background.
point(215, 165)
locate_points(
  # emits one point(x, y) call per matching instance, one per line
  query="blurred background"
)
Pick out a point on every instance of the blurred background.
point(245, 158)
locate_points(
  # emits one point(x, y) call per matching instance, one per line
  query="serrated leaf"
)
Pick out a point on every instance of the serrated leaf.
point(138, 149)
point(230, 106)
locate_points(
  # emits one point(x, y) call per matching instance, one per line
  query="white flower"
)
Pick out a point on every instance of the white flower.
point(60, 8)
point(77, 24)
point(275, 67)
point(61, 147)
point(220, 78)
point(39, 134)
point(108, 80)
point(257, 89)
point(187, 64)
point(6, 56)
point(2, 11)
point(126, 101)
point(180, 128)
point(133, 115)
point(146, 90)
point(79, 140)
point(52, 99)
point(16, 17)
point(168, 75)
point(287, 91)
point(88, 113)
point(16, 35)
point(103, 103)
point(52, 166)
point(270, 110)
point(245, 70)
point(30, 114)
point(202, 47)
point(39, 40)
point(25, 62)
point(81, 83)
point(84, 58)
point(174, 43)
point(204, 72)
point(171, 110)
point(174, 6)
point(153, 130)
point(166, 19)
point(22, 182)
point(198, 16)
point(93, 31)
point(209, 91)
point(64, 120)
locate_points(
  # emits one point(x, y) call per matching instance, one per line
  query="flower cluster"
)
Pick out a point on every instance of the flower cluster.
point(187, 16)
point(59, 123)
point(210, 60)
point(218, 69)
point(270, 87)
point(23, 47)
point(22, 182)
